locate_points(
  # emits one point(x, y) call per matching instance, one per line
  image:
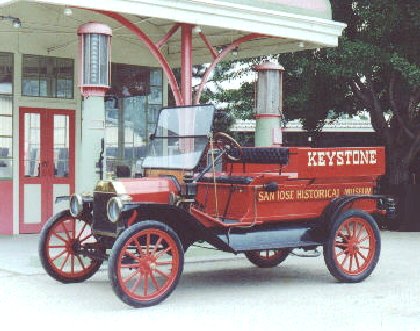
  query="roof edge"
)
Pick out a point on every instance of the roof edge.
point(324, 32)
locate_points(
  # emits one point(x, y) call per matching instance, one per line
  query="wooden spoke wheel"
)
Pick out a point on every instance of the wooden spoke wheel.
point(62, 241)
point(267, 258)
point(353, 246)
point(146, 263)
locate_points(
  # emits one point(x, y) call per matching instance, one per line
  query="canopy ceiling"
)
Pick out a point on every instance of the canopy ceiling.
point(294, 24)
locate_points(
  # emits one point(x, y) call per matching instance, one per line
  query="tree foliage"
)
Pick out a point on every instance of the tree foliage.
point(238, 103)
point(376, 67)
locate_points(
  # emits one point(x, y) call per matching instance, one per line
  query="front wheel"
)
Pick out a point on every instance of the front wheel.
point(146, 263)
point(267, 258)
point(353, 246)
point(62, 241)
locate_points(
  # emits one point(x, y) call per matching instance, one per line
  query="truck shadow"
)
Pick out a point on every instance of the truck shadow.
point(216, 279)
point(253, 276)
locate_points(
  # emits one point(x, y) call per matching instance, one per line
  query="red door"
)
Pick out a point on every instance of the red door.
point(46, 165)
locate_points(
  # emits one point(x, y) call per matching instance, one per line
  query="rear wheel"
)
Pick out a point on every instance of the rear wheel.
point(353, 246)
point(267, 258)
point(146, 263)
point(62, 240)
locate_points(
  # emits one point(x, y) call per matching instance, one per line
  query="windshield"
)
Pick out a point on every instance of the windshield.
point(180, 137)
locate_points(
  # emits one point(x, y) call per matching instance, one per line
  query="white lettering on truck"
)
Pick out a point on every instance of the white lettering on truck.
point(340, 158)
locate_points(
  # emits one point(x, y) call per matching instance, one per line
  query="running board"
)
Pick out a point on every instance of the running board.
point(279, 236)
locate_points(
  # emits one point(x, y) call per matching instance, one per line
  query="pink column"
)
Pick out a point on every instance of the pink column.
point(186, 63)
point(6, 208)
point(187, 118)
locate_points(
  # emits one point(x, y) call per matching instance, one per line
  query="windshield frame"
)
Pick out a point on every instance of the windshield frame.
point(189, 106)
point(154, 136)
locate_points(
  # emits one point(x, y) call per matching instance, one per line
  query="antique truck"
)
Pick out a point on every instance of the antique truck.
point(203, 187)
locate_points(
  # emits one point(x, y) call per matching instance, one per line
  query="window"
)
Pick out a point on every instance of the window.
point(47, 76)
point(132, 106)
point(61, 145)
point(6, 110)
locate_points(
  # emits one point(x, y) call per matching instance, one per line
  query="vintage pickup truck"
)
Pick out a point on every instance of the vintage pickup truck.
point(203, 187)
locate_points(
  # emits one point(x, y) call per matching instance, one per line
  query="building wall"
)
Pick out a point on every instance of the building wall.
point(23, 42)
point(33, 102)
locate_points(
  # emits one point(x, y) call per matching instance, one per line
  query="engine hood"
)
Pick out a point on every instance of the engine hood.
point(149, 189)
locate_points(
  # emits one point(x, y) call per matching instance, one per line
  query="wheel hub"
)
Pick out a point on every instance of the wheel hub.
point(353, 247)
point(148, 263)
point(72, 246)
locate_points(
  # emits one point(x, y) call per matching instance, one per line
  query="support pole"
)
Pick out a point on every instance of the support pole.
point(186, 63)
point(93, 131)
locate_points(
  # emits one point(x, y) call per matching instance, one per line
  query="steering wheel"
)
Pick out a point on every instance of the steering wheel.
point(227, 143)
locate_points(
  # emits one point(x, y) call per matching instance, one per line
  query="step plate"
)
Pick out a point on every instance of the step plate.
point(273, 237)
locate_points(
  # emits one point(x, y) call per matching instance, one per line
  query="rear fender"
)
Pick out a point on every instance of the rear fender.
point(338, 205)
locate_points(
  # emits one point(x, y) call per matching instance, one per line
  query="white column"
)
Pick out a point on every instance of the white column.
point(93, 130)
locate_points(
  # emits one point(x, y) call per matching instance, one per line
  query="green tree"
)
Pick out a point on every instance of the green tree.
point(376, 67)
point(238, 103)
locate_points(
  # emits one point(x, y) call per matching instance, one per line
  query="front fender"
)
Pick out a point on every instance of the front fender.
point(187, 227)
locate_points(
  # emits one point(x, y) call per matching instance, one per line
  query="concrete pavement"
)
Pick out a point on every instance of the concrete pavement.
point(220, 291)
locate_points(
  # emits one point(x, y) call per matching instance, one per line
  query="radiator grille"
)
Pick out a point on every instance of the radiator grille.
point(100, 219)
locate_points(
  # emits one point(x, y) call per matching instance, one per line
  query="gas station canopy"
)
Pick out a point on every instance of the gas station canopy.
point(146, 35)
point(294, 24)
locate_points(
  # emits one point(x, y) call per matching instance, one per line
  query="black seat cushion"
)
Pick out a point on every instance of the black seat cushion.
point(279, 155)
point(239, 180)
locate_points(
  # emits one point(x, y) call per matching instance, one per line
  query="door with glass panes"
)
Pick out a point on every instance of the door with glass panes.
point(46, 165)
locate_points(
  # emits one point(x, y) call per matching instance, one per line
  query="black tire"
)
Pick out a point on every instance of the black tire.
point(56, 252)
point(353, 246)
point(269, 260)
point(140, 248)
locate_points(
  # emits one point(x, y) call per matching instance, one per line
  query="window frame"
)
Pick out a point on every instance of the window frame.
point(9, 158)
point(52, 93)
